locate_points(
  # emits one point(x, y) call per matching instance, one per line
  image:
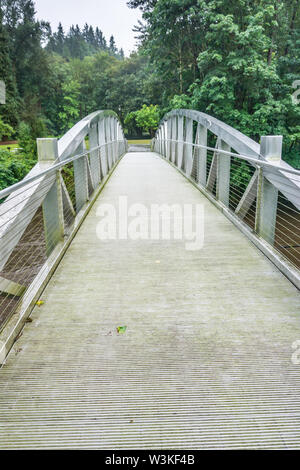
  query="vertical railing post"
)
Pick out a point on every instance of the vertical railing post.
point(165, 139)
point(170, 137)
point(223, 174)
point(156, 147)
point(188, 151)
point(111, 130)
point(164, 136)
point(201, 154)
point(117, 139)
point(267, 194)
point(94, 159)
point(108, 140)
point(169, 134)
point(180, 146)
point(174, 138)
point(52, 205)
point(124, 144)
point(103, 149)
point(80, 179)
point(113, 138)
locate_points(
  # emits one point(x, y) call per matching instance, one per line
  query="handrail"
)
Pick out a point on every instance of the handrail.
point(26, 181)
point(262, 163)
point(262, 197)
point(48, 204)
point(241, 143)
point(72, 139)
point(238, 141)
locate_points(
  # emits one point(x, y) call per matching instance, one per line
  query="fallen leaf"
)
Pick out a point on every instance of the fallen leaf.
point(19, 336)
point(121, 329)
point(40, 303)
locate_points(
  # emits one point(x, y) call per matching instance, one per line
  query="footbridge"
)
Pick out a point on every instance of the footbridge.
point(123, 332)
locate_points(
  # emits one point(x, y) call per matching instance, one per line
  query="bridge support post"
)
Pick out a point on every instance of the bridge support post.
point(94, 156)
point(180, 145)
point(113, 138)
point(108, 142)
point(157, 145)
point(52, 205)
point(103, 149)
point(267, 194)
point(117, 136)
point(200, 155)
point(223, 174)
point(161, 147)
point(174, 137)
point(165, 146)
point(188, 151)
point(81, 179)
point(169, 136)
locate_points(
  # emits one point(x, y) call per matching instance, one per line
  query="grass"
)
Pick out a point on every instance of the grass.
point(11, 147)
point(142, 141)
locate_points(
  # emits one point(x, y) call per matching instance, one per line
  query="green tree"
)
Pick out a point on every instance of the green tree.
point(131, 125)
point(7, 74)
point(112, 45)
point(26, 142)
point(13, 168)
point(5, 129)
point(70, 106)
point(147, 118)
point(234, 60)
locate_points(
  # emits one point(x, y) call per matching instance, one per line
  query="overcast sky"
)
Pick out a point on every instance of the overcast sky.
point(111, 16)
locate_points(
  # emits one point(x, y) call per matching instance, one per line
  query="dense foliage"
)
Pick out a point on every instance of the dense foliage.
point(236, 60)
point(53, 79)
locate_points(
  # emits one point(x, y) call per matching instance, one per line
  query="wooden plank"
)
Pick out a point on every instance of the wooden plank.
point(198, 337)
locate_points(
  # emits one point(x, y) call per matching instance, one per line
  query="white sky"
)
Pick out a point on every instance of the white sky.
point(111, 16)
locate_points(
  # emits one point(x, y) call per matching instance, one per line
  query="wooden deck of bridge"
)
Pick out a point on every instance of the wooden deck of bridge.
point(206, 360)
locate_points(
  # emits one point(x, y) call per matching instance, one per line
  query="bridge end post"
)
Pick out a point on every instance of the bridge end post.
point(52, 205)
point(267, 194)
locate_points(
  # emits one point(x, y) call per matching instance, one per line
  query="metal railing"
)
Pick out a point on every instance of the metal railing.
point(40, 215)
point(249, 182)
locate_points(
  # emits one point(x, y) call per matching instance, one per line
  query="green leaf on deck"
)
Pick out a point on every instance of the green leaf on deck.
point(121, 330)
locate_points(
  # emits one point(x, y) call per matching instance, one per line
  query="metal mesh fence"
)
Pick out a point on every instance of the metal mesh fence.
point(276, 218)
point(41, 214)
